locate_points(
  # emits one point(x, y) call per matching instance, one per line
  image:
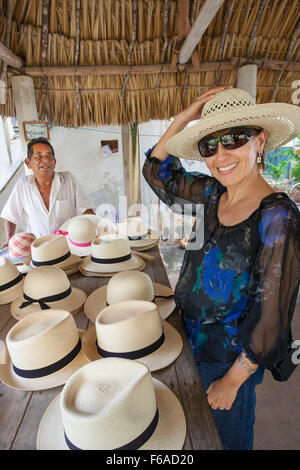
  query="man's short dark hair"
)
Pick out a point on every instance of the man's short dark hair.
point(38, 140)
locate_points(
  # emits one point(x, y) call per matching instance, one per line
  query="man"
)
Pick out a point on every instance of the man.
point(46, 199)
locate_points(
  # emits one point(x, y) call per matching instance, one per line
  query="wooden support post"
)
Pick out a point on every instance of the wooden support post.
point(25, 103)
point(131, 164)
point(247, 79)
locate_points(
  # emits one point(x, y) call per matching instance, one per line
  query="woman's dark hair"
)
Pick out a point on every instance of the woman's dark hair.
point(38, 140)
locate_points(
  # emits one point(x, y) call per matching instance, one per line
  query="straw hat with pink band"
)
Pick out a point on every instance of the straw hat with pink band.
point(42, 351)
point(130, 285)
point(113, 404)
point(133, 329)
point(11, 281)
point(47, 287)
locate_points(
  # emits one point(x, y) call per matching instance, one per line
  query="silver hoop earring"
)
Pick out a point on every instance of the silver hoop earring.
point(259, 156)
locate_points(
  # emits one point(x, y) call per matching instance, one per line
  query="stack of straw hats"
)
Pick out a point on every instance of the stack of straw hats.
point(140, 237)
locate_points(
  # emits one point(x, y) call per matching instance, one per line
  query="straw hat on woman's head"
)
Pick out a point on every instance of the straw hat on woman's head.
point(233, 108)
point(133, 329)
point(113, 404)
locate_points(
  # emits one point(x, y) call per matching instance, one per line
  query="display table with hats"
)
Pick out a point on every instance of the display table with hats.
point(25, 414)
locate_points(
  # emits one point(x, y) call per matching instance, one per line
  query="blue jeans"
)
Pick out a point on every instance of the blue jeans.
point(235, 426)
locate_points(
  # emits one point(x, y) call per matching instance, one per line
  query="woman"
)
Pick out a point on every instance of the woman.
point(236, 304)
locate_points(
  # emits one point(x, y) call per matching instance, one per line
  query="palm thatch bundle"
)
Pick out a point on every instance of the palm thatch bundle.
point(134, 33)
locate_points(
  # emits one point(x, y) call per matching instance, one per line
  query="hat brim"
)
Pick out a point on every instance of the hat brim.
point(89, 267)
point(73, 304)
point(96, 301)
point(68, 263)
point(169, 434)
point(162, 357)
point(281, 121)
point(10, 378)
point(12, 293)
point(145, 242)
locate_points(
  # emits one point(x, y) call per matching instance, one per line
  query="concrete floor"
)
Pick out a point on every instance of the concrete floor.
point(277, 425)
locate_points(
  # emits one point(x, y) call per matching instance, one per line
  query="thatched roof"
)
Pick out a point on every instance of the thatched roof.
point(128, 34)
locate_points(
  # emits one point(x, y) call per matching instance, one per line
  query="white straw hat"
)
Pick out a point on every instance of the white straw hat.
point(81, 232)
point(47, 287)
point(134, 330)
point(103, 225)
point(136, 229)
point(52, 250)
point(113, 404)
point(130, 285)
point(11, 281)
point(110, 255)
point(43, 351)
point(233, 108)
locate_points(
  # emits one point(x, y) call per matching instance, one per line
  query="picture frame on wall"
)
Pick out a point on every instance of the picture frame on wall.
point(34, 129)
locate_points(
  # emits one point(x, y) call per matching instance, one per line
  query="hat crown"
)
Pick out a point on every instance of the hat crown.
point(132, 227)
point(110, 247)
point(45, 281)
point(128, 326)
point(232, 99)
point(41, 339)
point(19, 244)
point(49, 247)
point(81, 230)
point(129, 285)
point(107, 403)
point(8, 271)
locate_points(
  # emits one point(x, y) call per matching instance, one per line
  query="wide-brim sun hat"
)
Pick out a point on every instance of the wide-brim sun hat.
point(130, 285)
point(53, 250)
point(11, 281)
point(133, 329)
point(47, 287)
point(110, 254)
point(234, 108)
point(42, 351)
point(113, 404)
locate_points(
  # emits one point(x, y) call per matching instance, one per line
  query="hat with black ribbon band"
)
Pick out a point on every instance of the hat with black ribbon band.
point(154, 298)
point(133, 354)
point(111, 260)
point(43, 371)
point(42, 301)
point(139, 237)
point(11, 283)
point(135, 443)
point(52, 261)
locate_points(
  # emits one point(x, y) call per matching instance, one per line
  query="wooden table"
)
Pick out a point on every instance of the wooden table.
point(21, 411)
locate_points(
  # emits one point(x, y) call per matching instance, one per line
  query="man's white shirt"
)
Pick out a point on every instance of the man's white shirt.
point(25, 205)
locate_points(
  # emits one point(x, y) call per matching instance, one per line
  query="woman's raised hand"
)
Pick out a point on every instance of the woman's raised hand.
point(194, 111)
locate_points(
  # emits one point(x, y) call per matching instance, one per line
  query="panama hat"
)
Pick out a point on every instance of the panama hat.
point(103, 225)
point(130, 285)
point(81, 233)
point(110, 254)
point(53, 250)
point(136, 229)
point(11, 281)
point(234, 108)
point(47, 287)
point(133, 329)
point(113, 404)
point(43, 351)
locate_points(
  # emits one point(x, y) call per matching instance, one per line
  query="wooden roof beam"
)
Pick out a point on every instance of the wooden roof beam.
point(207, 13)
point(10, 58)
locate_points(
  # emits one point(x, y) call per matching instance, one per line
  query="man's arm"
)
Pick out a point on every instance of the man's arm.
point(10, 229)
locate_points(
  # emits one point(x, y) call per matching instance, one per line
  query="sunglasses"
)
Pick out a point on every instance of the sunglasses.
point(233, 139)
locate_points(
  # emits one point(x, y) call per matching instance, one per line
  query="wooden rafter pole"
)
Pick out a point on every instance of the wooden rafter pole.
point(166, 40)
point(226, 65)
point(183, 30)
point(77, 50)
point(207, 13)
point(255, 27)
point(3, 74)
point(44, 48)
point(9, 57)
point(130, 49)
point(288, 56)
point(228, 7)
